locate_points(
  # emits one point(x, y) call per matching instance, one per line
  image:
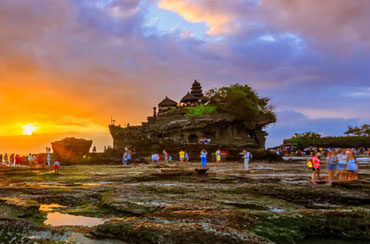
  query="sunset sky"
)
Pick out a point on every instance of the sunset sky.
point(66, 66)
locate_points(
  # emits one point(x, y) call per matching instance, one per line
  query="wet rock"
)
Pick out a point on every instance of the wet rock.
point(149, 231)
point(201, 171)
point(288, 228)
point(171, 173)
point(129, 208)
point(21, 207)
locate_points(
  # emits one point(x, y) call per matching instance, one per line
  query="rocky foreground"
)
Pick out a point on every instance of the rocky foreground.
point(273, 203)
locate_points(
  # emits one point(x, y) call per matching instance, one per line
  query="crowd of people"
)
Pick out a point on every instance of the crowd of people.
point(342, 166)
point(31, 160)
point(184, 159)
point(294, 151)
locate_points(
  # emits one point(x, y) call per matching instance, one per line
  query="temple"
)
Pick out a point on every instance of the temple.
point(173, 129)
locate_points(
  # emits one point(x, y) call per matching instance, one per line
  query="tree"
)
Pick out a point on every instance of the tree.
point(242, 101)
point(365, 129)
point(358, 131)
point(367, 132)
point(349, 131)
point(305, 140)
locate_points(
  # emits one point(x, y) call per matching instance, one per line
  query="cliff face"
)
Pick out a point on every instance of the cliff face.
point(173, 131)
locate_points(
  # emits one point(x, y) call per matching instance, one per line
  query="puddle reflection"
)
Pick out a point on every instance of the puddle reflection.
point(59, 219)
point(50, 207)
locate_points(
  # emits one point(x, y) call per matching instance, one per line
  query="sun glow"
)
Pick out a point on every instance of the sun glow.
point(28, 129)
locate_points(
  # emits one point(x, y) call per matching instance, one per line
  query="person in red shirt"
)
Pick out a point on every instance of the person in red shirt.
point(315, 168)
point(40, 160)
point(18, 160)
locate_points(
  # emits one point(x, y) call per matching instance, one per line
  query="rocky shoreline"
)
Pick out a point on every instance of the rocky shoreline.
point(273, 203)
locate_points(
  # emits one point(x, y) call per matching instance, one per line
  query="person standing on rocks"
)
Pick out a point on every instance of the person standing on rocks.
point(315, 168)
point(218, 157)
point(165, 156)
point(48, 158)
point(342, 165)
point(187, 158)
point(352, 167)
point(129, 156)
point(30, 160)
point(125, 158)
point(247, 156)
point(332, 165)
point(6, 159)
point(56, 166)
point(11, 161)
point(203, 157)
point(18, 160)
point(182, 156)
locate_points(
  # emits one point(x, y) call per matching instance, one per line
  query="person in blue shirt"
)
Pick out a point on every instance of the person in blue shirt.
point(342, 165)
point(129, 156)
point(48, 158)
point(203, 157)
point(125, 158)
point(56, 166)
point(247, 157)
point(165, 156)
point(187, 158)
point(332, 165)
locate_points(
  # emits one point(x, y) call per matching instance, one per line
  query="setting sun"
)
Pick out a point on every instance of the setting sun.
point(28, 129)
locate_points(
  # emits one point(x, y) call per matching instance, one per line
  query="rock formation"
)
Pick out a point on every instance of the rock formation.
point(172, 129)
point(71, 148)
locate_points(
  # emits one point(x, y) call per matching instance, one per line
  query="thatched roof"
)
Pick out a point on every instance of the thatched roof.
point(167, 103)
point(189, 98)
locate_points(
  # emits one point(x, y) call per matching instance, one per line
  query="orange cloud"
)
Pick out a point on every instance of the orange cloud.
point(215, 14)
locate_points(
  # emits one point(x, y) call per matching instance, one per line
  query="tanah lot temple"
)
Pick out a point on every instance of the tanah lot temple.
point(171, 128)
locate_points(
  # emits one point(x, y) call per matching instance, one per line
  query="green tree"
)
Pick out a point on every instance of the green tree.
point(305, 140)
point(365, 129)
point(358, 131)
point(242, 101)
point(349, 131)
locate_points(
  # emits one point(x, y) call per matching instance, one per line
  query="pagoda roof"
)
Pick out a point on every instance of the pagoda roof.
point(189, 98)
point(167, 102)
point(196, 83)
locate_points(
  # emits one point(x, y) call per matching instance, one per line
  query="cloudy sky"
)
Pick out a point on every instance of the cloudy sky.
point(66, 66)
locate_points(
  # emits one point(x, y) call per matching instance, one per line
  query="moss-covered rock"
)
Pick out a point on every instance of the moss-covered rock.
point(291, 227)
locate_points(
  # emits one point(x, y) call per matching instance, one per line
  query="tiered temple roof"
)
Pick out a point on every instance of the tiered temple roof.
point(192, 98)
point(189, 98)
point(196, 90)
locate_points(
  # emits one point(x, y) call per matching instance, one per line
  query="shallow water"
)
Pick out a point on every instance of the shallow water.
point(59, 219)
point(49, 207)
point(277, 210)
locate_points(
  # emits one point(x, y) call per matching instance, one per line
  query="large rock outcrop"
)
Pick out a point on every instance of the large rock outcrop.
point(71, 148)
point(173, 131)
